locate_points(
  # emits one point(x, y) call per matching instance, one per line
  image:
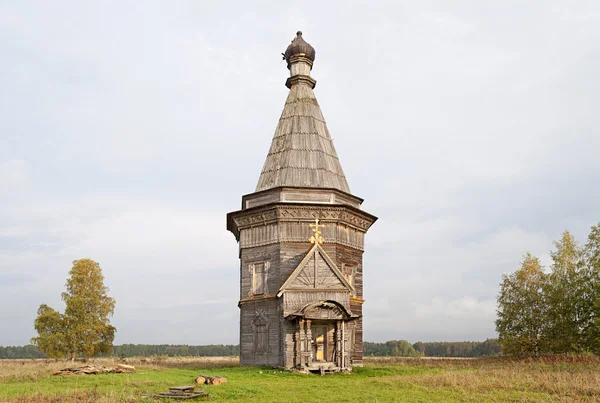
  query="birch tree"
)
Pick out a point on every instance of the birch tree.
point(521, 309)
point(591, 259)
point(84, 329)
point(569, 296)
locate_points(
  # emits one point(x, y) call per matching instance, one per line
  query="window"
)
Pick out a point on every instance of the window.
point(259, 278)
point(349, 273)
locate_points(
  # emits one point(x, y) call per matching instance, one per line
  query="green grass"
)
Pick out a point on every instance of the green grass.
point(247, 384)
point(401, 381)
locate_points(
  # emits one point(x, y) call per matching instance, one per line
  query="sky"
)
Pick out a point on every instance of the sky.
point(129, 129)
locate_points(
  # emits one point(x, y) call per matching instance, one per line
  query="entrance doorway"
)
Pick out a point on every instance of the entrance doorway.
point(319, 343)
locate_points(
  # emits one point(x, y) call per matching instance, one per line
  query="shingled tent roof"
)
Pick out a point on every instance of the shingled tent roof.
point(302, 152)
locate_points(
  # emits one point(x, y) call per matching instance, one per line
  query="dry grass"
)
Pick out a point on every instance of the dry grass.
point(560, 378)
point(77, 397)
point(27, 371)
point(24, 370)
point(552, 379)
point(560, 385)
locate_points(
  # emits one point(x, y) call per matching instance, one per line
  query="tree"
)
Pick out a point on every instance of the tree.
point(402, 348)
point(419, 347)
point(570, 297)
point(521, 310)
point(591, 262)
point(50, 326)
point(487, 348)
point(84, 329)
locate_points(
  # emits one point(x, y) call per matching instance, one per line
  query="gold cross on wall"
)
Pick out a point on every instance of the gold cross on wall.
point(316, 228)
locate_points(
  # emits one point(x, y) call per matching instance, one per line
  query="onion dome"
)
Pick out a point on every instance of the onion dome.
point(299, 47)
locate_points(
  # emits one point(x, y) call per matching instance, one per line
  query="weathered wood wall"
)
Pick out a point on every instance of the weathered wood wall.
point(248, 313)
point(291, 232)
point(281, 245)
point(268, 254)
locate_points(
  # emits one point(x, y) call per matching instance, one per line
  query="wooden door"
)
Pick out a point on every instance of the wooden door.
point(320, 343)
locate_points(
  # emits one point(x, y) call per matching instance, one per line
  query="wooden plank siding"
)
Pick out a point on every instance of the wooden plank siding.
point(357, 353)
point(248, 312)
point(282, 259)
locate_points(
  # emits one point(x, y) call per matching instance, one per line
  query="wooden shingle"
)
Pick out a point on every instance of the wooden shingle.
point(302, 153)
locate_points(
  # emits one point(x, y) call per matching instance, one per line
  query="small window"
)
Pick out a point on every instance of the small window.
point(259, 278)
point(348, 272)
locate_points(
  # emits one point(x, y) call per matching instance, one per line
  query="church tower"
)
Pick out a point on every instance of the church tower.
point(301, 242)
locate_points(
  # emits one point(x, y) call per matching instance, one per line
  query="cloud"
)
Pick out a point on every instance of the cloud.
point(467, 307)
point(469, 129)
point(13, 279)
point(14, 173)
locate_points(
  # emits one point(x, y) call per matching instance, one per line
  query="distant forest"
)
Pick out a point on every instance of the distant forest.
point(398, 348)
point(136, 350)
point(402, 348)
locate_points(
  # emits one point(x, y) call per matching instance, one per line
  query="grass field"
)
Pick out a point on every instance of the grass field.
point(380, 380)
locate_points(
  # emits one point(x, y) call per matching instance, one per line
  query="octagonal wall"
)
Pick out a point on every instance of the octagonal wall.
point(274, 237)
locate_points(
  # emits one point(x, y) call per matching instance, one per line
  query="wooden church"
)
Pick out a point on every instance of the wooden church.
point(301, 242)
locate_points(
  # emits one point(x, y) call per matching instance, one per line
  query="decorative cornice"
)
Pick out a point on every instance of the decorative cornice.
point(299, 195)
point(258, 298)
point(357, 300)
point(301, 79)
point(287, 212)
point(315, 290)
point(264, 217)
point(345, 214)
